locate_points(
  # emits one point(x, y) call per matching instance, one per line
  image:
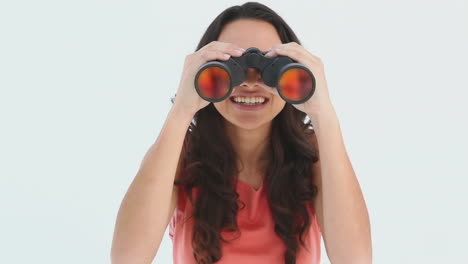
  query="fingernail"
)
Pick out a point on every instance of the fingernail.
point(240, 49)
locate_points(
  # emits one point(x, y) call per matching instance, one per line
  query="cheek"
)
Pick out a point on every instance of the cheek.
point(221, 107)
point(278, 104)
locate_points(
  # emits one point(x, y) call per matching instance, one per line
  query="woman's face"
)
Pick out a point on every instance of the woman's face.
point(247, 33)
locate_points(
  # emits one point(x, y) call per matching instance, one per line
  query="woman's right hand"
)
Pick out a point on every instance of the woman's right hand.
point(187, 99)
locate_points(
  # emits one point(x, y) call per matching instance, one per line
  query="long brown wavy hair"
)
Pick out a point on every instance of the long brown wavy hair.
point(208, 162)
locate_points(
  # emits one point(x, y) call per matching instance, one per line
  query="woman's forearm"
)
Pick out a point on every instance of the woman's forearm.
point(345, 216)
point(143, 214)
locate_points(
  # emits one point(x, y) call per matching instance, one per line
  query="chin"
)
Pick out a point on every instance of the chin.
point(248, 125)
point(249, 120)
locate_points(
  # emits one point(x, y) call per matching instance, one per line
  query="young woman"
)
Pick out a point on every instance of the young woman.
point(246, 186)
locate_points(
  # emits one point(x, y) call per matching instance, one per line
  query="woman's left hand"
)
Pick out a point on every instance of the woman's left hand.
point(320, 99)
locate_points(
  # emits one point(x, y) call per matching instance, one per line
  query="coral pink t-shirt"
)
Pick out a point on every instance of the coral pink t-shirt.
point(257, 243)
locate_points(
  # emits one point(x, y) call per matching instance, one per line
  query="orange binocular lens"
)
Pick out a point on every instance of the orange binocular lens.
point(295, 84)
point(214, 82)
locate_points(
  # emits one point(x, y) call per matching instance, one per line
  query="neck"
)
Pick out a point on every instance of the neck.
point(251, 147)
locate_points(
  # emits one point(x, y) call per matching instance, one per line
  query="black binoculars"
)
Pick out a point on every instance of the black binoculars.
point(216, 79)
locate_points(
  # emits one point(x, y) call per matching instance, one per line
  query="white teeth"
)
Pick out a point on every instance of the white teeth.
point(249, 100)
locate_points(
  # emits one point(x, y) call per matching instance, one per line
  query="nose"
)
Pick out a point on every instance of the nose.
point(252, 76)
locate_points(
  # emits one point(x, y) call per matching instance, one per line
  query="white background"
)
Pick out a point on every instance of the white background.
point(86, 86)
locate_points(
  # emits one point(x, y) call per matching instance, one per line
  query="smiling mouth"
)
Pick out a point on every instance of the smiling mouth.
point(249, 104)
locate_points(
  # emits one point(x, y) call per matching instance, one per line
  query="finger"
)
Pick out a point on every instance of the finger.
point(209, 55)
point(271, 53)
point(295, 52)
point(303, 50)
point(228, 48)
